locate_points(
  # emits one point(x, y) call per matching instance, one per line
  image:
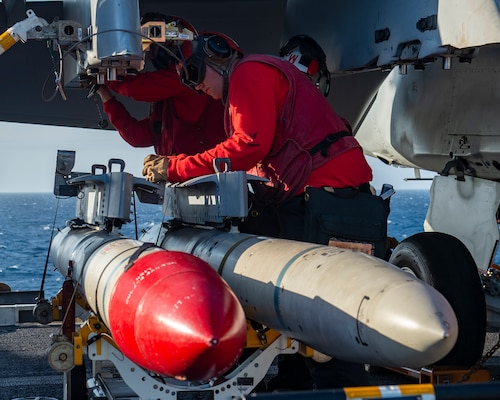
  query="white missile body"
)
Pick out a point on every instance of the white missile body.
point(341, 303)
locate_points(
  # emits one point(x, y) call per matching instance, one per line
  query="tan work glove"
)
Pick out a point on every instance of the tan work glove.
point(155, 168)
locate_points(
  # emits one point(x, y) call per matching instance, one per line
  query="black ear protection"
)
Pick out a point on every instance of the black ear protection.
point(310, 50)
point(323, 82)
point(217, 48)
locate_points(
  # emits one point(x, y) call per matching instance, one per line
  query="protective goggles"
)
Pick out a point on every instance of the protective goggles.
point(193, 71)
point(214, 48)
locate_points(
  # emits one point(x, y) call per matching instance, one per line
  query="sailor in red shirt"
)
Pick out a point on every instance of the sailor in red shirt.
point(275, 118)
point(282, 128)
point(181, 121)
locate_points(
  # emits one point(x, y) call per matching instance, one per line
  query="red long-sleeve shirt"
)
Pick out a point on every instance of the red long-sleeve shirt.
point(182, 121)
point(257, 96)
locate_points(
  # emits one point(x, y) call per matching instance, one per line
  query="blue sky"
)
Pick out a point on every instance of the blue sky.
point(28, 157)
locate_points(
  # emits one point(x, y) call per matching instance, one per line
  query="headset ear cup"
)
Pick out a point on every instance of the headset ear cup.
point(217, 47)
point(324, 84)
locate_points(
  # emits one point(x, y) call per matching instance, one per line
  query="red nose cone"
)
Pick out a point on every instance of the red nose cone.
point(172, 314)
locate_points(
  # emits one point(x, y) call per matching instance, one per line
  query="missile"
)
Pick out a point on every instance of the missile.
point(168, 312)
point(341, 303)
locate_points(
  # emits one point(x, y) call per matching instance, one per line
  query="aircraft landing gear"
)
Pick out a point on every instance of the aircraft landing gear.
point(443, 261)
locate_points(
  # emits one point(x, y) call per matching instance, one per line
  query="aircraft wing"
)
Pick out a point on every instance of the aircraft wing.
point(404, 73)
point(27, 69)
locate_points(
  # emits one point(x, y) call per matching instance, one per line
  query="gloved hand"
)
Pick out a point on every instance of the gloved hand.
point(155, 168)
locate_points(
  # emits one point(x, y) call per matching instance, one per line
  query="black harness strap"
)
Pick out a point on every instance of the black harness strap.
point(137, 253)
point(326, 142)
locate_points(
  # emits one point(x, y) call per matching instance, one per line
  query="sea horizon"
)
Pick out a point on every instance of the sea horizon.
point(27, 220)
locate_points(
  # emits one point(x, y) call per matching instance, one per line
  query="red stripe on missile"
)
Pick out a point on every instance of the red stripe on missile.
point(174, 315)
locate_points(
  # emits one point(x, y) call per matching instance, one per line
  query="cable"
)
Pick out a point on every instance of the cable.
point(135, 216)
point(49, 99)
point(84, 40)
point(41, 294)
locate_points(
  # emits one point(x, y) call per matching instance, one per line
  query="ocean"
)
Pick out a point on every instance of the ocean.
point(26, 222)
point(27, 219)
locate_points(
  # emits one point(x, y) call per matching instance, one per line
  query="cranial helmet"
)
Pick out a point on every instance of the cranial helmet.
point(212, 48)
point(308, 56)
point(167, 58)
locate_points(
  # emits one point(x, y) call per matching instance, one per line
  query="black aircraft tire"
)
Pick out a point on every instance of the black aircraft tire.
point(443, 261)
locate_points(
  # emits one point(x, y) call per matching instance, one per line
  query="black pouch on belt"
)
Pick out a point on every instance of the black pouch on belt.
point(347, 218)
